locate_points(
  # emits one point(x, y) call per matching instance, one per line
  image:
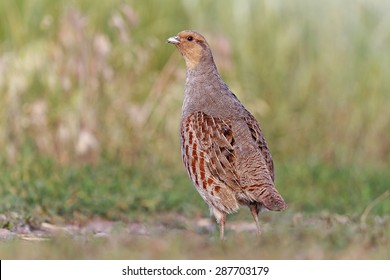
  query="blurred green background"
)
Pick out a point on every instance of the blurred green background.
point(90, 104)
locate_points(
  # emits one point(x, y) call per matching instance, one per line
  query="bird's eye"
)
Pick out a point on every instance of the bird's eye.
point(190, 38)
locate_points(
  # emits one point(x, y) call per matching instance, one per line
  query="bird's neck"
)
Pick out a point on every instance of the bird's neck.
point(203, 72)
point(204, 84)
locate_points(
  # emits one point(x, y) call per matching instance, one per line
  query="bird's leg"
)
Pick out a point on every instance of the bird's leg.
point(222, 227)
point(221, 220)
point(255, 212)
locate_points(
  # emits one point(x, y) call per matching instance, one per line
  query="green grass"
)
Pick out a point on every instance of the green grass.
point(42, 190)
point(90, 100)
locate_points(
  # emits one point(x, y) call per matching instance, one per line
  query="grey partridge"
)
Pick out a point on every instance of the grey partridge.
point(222, 145)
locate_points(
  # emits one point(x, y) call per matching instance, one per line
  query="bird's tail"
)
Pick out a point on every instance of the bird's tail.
point(271, 199)
point(275, 202)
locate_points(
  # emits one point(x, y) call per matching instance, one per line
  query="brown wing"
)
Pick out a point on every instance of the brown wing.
point(256, 167)
point(258, 137)
point(224, 171)
point(208, 154)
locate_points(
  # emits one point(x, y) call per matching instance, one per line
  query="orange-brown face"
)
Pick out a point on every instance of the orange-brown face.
point(191, 45)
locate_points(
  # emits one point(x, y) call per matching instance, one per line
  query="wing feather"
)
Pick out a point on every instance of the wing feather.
point(258, 137)
point(209, 158)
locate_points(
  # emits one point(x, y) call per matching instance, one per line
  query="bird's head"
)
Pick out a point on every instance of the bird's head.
point(192, 46)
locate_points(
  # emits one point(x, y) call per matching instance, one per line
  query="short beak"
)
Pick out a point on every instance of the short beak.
point(174, 40)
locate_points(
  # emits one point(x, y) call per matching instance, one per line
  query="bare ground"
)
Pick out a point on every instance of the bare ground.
point(173, 236)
